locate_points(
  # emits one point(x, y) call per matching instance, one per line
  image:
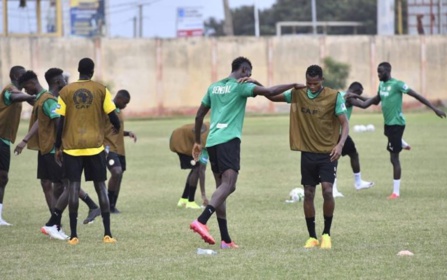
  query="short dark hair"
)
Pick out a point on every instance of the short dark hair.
point(124, 93)
point(314, 71)
point(15, 69)
point(28, 75)
point(356, 87)
point(86, 66)
point(386, 65)
point(237, 63)
point(52, 73)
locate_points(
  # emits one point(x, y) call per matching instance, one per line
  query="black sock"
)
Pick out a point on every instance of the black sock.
point(310, 222)
point(112, 199)
point(185, 191)
point(106, 223)
point(327, 225)
point(206, 214)
point(224, 235)
point(55, 218)
point(73, 224)
point(192, 193)
point(90, 203)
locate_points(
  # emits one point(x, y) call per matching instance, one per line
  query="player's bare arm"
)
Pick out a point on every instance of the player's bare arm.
point(197, 148)
point(21, 97)
point(275, 90)
point(427, 103)
point(364, 104)
point(33, 130)
point(336, 151)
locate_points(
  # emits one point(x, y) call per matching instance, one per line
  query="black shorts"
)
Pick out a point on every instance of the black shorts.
point(394, 134)
point(317, 168)
point(114, 159)
point(48, 169)
point(349, 147)
point(225, 156)
point(5, 156)
point(94, 167)
point(185, 161)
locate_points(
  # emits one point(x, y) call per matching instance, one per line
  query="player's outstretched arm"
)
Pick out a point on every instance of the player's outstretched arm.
point(131, 135)
point(363, 104)
point(274, 90)
point(22, 97)
point(201, 113)
point(427, 103)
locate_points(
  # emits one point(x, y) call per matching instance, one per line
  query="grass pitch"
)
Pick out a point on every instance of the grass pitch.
point(154, 240)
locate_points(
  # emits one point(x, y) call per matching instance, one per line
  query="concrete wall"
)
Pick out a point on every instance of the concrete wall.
point(168, 77)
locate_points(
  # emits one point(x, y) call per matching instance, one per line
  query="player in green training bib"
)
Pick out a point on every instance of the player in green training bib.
point(226, 99)
point(390, 94)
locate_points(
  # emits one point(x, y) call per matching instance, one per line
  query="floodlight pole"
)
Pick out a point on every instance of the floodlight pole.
point(314, 17)
point(256, 11)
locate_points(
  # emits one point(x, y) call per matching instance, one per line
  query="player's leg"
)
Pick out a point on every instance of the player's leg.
point(93, 209)
point(185, 163)
point(96, 171)
point(309, 180)
point(5, 160)
point(327, 171)
point(394, 134)
point(350, 150)
point(405, 145)
point(191, 182)
point(116, 175)
point(73, 167)
point(43, 173)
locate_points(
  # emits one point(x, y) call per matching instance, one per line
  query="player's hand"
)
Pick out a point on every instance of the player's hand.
point(19, 148)
point(196, 150)
point(58, 157)
point(336, 152)
point(133, 136)
point(205, 200)
point(440, 113)
point(114, 130)
point(246, 80)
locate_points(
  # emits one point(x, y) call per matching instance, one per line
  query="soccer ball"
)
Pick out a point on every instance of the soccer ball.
point(297, 194)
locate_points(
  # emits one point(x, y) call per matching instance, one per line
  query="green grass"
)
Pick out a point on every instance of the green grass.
point(154, 240)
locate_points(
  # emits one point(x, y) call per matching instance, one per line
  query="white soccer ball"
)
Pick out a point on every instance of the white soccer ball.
point(359, 128)
point(297, 194)
point(370, 127)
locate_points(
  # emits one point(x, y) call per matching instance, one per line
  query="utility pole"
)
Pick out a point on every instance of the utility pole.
point(256, 18)
point(140, 18)
point(135, 27)
point(314, 17)
point(228, 24)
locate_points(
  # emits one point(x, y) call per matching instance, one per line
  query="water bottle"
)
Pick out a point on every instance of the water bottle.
point(201, 251)
point(203, 157)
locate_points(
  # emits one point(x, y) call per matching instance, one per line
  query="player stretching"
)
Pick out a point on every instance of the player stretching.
point(390, 94)
point(227, 100)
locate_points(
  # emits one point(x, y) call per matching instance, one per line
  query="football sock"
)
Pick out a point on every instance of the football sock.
point(185, 191)
point(357, 178)
point(112, 199)
point(327, 225)
point(90, 203)
point(396, 187)
point(1, 209)
point(334, 186)
point(206, 214)
point(73, 224)
point(106, 223)
point(310, 222)
point(192, 193)
point(55, 218)
point(224, 235)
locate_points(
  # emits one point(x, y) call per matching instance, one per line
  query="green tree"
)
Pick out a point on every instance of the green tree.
point(335, 73)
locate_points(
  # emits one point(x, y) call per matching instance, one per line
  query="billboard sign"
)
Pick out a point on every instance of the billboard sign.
point(87, 17)
point(189, 21)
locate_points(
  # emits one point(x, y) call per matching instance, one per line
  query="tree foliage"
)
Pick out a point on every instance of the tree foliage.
point(335, 73)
